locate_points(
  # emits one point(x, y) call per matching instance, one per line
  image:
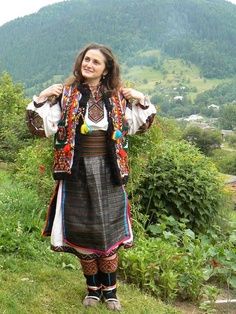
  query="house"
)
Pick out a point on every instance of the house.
point(194, 118)
point(213, 106)
point(178, 98)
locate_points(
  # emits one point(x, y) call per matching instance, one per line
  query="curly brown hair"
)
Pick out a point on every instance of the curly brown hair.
point(111, 80)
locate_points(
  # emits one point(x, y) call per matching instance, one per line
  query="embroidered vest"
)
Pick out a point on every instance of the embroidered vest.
point(73, 105)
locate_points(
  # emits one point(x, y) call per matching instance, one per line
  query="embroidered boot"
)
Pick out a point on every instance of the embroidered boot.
point(107, 276)
point(90, 270)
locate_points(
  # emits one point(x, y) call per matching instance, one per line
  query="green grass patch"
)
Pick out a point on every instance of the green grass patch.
point(27, 285)
point(33, 278)
point(172, 73)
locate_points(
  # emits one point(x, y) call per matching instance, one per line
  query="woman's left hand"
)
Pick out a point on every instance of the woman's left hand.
point(131, 93)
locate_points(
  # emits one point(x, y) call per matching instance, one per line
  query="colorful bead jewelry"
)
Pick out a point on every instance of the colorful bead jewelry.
point(116, 135)
point(84, 128)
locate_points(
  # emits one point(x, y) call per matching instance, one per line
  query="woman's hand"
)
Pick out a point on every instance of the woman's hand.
point(53, 90)
point(130, 93)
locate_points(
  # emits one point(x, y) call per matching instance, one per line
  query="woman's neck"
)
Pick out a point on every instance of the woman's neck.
point(91, 86)
point(92, 83)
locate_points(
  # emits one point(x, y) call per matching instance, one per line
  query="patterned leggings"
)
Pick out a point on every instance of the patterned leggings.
point(100, 276)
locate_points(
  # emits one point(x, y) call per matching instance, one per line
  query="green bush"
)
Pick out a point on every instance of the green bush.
point(142, 147)
point(150, 265)
point(231, 139)
point(206, 140)
point(13, 131)
point(225, 161)
point(160, 267)
point(178, 263)
point(33, 167)
point(181, 182)
point(13, 135)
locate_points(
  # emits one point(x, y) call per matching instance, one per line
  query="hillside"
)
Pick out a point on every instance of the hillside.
point(202, 32)
point(177, 86)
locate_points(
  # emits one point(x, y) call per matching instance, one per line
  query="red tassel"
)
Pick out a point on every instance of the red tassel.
point(67, 148)
point(122, 153)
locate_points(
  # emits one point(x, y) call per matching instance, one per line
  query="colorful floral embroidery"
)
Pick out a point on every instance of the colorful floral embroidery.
point(65, 137)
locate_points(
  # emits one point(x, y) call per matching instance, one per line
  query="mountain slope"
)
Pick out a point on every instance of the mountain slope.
point(38, 46)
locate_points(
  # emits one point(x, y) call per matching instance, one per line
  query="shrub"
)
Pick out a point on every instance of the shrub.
point(231, 139)
point(33, 167)
point(178, 263)
point(206, 140)
point(13, 131)
point(159, 266)
point(142, 147)
point(149, 265)
point(181, 182)
point(225, 161)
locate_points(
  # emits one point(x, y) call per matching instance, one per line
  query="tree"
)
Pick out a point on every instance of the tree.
point(205, 139)
point(228, 117)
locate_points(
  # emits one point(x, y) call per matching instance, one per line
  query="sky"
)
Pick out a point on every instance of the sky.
point(11, 9)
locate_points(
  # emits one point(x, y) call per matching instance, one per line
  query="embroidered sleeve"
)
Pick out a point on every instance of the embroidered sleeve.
point(49, 112)
point(140, 115)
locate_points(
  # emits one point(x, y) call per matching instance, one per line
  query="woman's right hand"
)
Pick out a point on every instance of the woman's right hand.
point(53, 90)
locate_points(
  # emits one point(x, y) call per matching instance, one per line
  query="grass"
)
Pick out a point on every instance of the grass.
point(33, 279)
point(27, 285)
point(36, 280)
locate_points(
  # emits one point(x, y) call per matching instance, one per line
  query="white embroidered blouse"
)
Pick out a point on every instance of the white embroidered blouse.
point(136, 116)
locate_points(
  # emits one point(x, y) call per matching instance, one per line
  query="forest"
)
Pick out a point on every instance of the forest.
point(202, 32)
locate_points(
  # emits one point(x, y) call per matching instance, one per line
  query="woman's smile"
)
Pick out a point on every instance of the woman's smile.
point(93, 66)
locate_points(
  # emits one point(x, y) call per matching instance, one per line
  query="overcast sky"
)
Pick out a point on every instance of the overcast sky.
point(11, 9)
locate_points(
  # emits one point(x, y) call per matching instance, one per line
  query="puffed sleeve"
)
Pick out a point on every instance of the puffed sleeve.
point(139, 115)
point(46, 113)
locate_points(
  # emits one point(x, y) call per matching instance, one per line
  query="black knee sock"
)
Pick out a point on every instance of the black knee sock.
point(108, 281)
point(93, 285)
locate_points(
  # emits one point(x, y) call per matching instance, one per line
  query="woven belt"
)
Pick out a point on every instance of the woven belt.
point(92, 144)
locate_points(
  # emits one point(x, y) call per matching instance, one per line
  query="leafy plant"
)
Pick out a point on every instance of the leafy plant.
point(181, 182)
point(206, 140)
point(13, 131)
point(33, 167)
point(178, 263)
point(22, 209)
point(144, 146)
point(225, 161)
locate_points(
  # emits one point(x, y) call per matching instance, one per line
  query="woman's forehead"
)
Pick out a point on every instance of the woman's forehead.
point(95, 54)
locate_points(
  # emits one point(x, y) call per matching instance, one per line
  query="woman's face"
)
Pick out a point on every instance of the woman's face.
point(93, 66)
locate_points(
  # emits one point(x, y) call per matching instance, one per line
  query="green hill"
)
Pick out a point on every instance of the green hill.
point(177, 86)
point(170, 74)
point(37, 47)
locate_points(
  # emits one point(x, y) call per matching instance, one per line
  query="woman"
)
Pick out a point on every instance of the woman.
point(89, 211)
